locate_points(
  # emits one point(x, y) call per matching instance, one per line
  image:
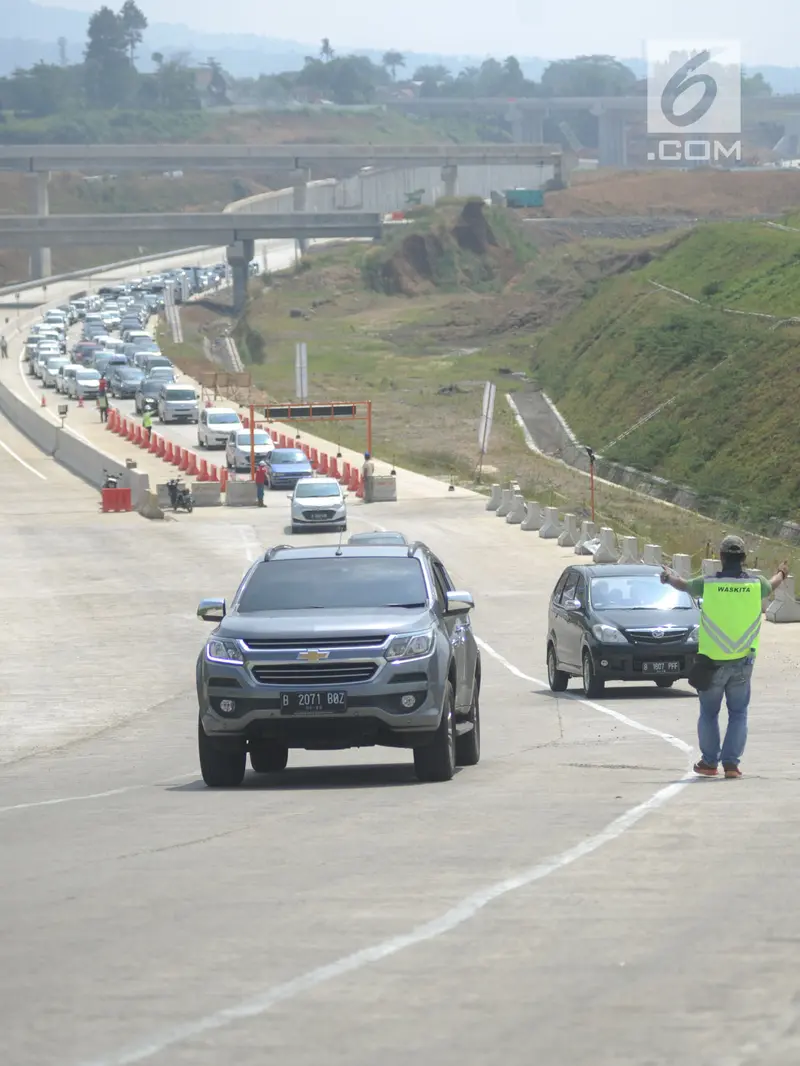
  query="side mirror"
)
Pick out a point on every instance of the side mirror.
point(573, 605)
point(459, 603)
point(211, 610)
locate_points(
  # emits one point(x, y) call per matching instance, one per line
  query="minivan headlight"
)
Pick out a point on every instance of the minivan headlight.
point(609, 634)
point(692, 638)
point(223, 651)
point(410, 645)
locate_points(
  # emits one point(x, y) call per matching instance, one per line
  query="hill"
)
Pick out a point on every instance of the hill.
point(732, 379)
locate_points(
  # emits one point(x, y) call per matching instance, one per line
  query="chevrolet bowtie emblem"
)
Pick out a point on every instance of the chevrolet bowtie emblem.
point(313, 656)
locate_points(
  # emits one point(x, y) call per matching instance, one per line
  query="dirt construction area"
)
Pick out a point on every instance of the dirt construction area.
point(706, 193)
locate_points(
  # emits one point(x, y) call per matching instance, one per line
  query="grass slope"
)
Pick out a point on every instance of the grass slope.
point(735, 380)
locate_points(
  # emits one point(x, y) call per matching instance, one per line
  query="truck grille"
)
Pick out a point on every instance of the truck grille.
point(656, 635)
point(313, 673)
point(317, 642)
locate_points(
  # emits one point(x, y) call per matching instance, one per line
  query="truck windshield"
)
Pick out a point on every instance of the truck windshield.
point(344, 582)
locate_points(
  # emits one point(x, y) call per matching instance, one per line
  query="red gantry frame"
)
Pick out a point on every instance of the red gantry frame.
point(338, 411)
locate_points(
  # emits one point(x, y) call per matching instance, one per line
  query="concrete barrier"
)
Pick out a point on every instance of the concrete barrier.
point(570, 534)
point(150, 508)
point(494, 500)
point(629, 550)
point(162, 495)
point(90, 464)
point(784, 608)
point(588, 532)
point(607, 550)
point(384, 489)
point(517, 512)
point(709, 567)
point(652, 555)
point(506, 496)
point(241, 494)
point(37, 428)
point(534, 516)
point(206, 493)
point(139, 484)
point(682, 565)
point(551, 526)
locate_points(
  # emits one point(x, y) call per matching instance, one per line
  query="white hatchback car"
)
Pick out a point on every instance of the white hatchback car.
point(318, 502)
point(216, 425)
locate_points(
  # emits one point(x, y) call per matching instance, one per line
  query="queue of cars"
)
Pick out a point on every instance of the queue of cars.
point(115, 345)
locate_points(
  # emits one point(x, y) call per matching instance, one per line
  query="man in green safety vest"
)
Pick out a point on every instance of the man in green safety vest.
point(730, 622)
point(147, 423)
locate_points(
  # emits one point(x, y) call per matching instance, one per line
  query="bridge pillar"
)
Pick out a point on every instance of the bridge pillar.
point(787, 146)
point(612, 139)
point(450, 179)
point(39, 204)
point(239, 256)
point(532, 127)
point(300, 200)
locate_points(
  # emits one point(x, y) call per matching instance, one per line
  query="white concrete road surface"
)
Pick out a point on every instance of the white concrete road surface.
point(575, 898)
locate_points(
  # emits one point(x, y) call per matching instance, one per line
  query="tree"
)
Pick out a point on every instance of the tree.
point(344, 79)
point(392, 60)
point(44, 89)
point(755, 85)
point(133, 24)
point(172, 86)
point(109, 73)
point(432, 76)
point(597, 75)
point(218, 86)
point(325, 51)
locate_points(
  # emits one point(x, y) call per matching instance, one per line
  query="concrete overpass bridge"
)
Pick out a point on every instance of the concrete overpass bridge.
point(237, 232)
point(615, 114)
point(39, 160)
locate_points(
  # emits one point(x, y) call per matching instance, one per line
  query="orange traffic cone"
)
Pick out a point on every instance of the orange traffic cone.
point(44, 402)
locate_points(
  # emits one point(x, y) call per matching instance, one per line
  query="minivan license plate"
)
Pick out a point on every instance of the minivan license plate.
point(313, 702)
point(661, 668)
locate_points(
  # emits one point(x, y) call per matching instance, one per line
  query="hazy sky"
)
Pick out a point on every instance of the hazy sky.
point(768, 30)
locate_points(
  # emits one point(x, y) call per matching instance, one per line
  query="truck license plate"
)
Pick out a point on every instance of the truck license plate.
point(313, 702)
point(661, 668)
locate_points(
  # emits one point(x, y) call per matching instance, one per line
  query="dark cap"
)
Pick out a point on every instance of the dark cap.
point(732, 545)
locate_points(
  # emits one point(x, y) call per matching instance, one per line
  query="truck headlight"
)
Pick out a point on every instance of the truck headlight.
point(410, 646)
point(608, 634)
point(223, 651)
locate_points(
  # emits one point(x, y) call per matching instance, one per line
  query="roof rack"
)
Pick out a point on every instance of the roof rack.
point(271, 552)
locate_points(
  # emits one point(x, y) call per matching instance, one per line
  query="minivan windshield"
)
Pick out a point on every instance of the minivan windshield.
point(180, 394)
point(312, 488)
point(218, 417)
point(259, 437)
point(343, 582)
point(642, 592)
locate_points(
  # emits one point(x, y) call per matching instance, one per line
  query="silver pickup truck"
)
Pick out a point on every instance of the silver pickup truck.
point(329, 647)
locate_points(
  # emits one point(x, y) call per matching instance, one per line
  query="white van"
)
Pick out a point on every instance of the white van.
point(216, 425)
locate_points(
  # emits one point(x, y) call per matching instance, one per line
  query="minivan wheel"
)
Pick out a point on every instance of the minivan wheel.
point(268, 756)
point(592, 684)
point(437, 761)
point(221, 764)
point(556, 679)
point(665, 682)
point(468, 745)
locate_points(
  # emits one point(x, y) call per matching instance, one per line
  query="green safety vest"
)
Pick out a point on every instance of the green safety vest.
point(730, 619)
point(147, 421)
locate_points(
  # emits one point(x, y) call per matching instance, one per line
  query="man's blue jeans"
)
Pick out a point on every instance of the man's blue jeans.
point(732, 680)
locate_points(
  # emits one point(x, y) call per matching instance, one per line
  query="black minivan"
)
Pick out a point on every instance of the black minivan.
point(618, 622)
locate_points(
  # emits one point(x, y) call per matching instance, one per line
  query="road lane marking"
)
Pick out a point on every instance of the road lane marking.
point(87, 797)
point(676, 742)
point(451, 919)
point(21, 461)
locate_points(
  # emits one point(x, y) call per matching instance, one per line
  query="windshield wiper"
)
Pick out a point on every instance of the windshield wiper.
point(404, 605)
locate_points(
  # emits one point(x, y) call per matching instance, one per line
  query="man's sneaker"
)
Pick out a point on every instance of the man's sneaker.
point(731, 770)
point(704, 769)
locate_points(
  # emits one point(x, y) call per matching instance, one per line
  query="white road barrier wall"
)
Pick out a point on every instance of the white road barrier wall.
point(570, 534)
point(390, 190)
point(629, 550)
point(38, 428)
point(588, 532)
point(494, 500)
point(534, 516)
point(607, 550)
point(551, 527)
point(517, 512)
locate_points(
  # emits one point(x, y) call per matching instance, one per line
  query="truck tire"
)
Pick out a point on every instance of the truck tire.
point(268, 756)
point(222, 765)
point(437, 761)
point(468, 745)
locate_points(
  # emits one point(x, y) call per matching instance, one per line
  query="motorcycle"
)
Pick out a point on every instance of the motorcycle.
point(180, 496)
point(111, 481)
